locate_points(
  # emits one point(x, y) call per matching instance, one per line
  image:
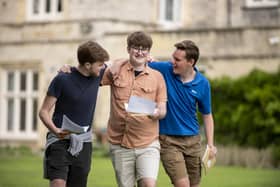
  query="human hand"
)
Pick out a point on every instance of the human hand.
point(213, 151)
point(116, 65)
point(61, 134)
point(66, 68)
point(155, 115)
point(150, 58)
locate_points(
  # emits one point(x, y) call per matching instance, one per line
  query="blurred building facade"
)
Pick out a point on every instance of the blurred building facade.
point(39, 36)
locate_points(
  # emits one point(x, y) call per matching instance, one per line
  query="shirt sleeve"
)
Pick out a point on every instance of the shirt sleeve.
point(106, 78)
point(160, 66)
point(55, 87)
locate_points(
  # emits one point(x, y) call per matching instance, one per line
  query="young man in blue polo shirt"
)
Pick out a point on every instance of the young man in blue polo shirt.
point(187, 89)
point(68, 153)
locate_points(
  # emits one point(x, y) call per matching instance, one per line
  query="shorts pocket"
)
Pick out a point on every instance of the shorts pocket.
point(57, 153)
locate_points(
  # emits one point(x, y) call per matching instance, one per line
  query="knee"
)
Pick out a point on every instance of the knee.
point(147, 182)
point(57, 183)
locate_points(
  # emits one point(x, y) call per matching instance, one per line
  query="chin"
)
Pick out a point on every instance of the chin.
point(175, 72)
point(95, 74)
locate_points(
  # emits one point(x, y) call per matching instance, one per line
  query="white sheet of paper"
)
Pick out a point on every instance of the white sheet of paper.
point(71, 126)
point(140, 105)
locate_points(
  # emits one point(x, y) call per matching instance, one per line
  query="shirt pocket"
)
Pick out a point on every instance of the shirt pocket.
point(121, 90)
point(148, 91)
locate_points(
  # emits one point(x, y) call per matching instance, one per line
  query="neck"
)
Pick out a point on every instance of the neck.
point(188, 76)
point(137, 67)
point(83, 70)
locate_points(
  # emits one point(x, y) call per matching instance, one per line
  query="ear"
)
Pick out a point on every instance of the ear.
point(87, 65)
point(192, 62)
point(128, 49)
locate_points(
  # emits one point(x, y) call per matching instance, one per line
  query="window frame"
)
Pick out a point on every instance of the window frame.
point(176, 13)
point(42, 14)
point(261, 3)
point(28, 131)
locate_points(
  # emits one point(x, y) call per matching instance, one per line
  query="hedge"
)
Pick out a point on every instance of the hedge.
point(247, 110)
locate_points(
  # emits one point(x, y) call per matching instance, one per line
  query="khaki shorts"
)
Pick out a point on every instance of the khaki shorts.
point(181, 157)
point(130, 165)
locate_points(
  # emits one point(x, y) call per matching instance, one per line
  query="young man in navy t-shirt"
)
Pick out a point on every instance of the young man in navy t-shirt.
point(68, 154)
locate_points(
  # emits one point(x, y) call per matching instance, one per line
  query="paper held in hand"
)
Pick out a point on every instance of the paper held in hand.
point(140, 106)
point(206, 162)
point(72, 127)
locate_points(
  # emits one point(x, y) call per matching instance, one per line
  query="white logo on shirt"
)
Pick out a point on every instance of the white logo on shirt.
point(193, 91)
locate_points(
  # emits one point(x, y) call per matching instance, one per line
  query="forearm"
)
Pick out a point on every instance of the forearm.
point(209, 129)
point(46, 119)
point(161, 110)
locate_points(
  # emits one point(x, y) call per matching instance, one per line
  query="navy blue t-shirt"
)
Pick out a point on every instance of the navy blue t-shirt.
point(76, 97)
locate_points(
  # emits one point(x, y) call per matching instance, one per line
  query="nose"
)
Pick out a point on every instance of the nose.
point(140, 52)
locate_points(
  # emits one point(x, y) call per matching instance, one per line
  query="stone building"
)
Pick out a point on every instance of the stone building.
point(38, 36)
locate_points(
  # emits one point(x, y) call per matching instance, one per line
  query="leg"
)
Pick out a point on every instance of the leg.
point(194, 170)
point(183, 182)
point(80, 168)
point(57, 163)
point(147, 165)
point(146, 182)
point(193, 160)
point(195, 185)
point(173, 161)
point(123, 161)
point(58, 183)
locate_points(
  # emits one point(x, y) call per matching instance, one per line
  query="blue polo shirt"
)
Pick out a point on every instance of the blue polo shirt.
point(76, 97)
point(183, 101)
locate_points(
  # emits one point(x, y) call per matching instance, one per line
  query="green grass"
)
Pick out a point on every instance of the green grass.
point(26, 171)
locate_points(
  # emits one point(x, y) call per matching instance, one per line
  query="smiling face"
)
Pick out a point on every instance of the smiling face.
point(138, 48)
point(180, 64)
point(138, 55)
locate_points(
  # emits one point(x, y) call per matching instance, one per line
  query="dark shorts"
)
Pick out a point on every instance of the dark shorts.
point(181, 157)
point(60, 164)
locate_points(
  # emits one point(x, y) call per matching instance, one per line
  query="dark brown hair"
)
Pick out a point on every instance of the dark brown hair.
point(139, 38)
point(91, 52)
point(191, 49)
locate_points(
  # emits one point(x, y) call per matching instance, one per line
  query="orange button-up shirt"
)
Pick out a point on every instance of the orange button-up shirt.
point(128, 130)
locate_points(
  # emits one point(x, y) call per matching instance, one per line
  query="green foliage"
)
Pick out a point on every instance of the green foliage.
point(27, 171)
point(247, 110)
point(15, 152)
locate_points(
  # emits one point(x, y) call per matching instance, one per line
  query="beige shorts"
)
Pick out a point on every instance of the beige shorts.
point(181, 157)
point(130, 165)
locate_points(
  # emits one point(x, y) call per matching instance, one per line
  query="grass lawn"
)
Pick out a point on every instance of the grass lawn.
point(26, 171)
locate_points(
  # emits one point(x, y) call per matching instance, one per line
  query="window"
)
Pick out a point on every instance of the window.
point(44, 9)
point(170, 12)
point(18, 104)
point(262, 3)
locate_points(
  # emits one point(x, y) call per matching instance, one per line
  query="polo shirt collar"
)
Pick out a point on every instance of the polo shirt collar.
point(196, 79)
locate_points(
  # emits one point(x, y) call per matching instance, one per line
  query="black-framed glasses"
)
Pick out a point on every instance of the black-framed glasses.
point(138, 49)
